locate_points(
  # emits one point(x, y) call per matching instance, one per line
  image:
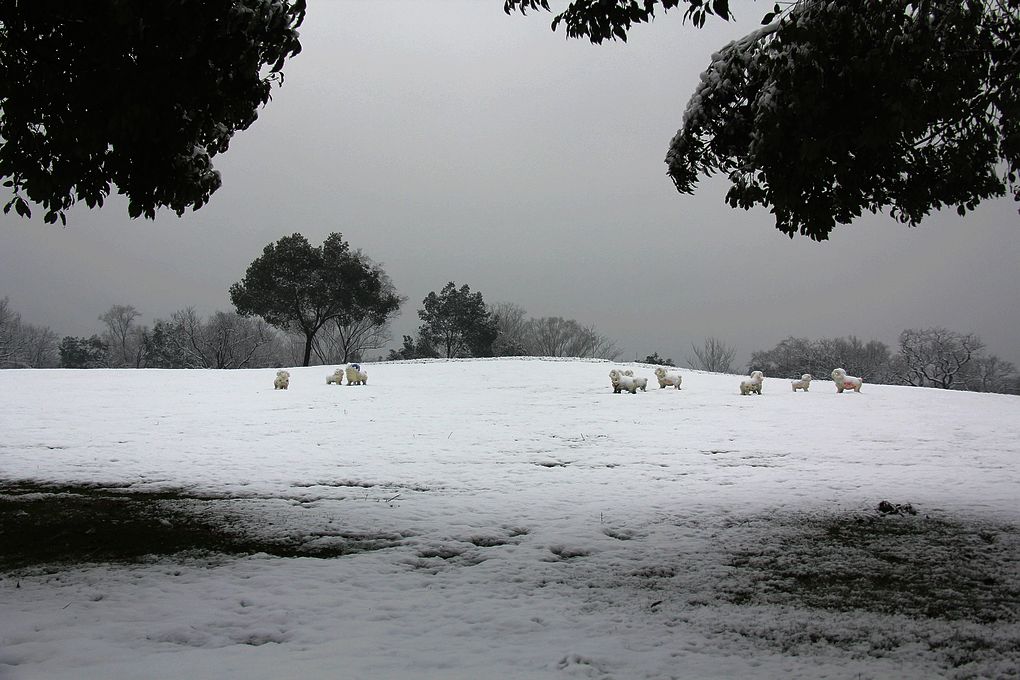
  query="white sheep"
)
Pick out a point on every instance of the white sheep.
point(282, 381)
point(668, 378)
point(629, 383)
point(845, 382)
point(803, 384)
point(753, 384)
point(337, 378)
point(615, 375)
point(356, 375)
point(620, 381)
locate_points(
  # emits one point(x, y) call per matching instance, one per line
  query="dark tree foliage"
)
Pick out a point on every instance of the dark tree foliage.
point(141, 95)
point(600, 20)
point(836, 108)
point(412, 349)
point(161, 350)
point(297, 286)
point(656, 360)
point(457, 322)
point(84, 352)
point(859, 105)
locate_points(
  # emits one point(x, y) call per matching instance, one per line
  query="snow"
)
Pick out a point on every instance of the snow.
point(539, 526)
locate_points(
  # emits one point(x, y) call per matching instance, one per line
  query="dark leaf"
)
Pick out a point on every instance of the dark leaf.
point(175, 75)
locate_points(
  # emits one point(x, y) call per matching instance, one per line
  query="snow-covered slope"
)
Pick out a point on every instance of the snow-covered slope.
point(541, 526)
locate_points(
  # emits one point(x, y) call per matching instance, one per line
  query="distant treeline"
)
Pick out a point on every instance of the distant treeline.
point(929, 357)
point(457, 323)
point(185, 339)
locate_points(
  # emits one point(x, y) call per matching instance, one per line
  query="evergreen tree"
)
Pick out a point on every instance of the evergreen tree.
point(457, 322)
point(84, 352)
point(299, 287)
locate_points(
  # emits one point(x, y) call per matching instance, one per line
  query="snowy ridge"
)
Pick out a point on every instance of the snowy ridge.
point(478, 359)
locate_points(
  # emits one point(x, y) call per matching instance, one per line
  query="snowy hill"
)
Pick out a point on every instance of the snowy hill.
point(514, 518)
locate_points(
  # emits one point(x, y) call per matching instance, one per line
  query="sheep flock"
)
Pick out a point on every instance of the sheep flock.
point(622, 380)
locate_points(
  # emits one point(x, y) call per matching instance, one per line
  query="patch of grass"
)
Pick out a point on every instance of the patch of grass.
point(567, 553)
point(917, 566)
point(442, 552)
point(60, 524)
point(488, 541)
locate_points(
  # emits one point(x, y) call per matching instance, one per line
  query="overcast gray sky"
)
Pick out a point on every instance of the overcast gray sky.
point(452, 142)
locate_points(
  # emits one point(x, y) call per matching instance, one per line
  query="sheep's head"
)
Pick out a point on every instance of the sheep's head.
point(282, 374)
point(660, 372)
point(806, 377)
point(838, 374)
point(758, 376)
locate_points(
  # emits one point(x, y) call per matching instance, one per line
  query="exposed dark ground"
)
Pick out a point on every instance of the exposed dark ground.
point(44, 524)
point(952, 584)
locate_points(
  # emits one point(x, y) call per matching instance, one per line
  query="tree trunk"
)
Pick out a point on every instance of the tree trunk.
point(308, 348)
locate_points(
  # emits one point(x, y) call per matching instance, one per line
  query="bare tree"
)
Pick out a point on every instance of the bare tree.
point(291, 348)
point(714, 355)
point(550, 336)
point(23, 345)
point(554, 336)
point(225, 340)
point(512, 329)
point(12, 340)
point(589, 343)
point(936, 357)
point(119, 321)
point(344, 342)
point(40, 347)
point(233, 341)
point(185, 338)
point(991, 374)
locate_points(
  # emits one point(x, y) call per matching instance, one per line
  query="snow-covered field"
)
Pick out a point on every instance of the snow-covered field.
point(530, 524)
